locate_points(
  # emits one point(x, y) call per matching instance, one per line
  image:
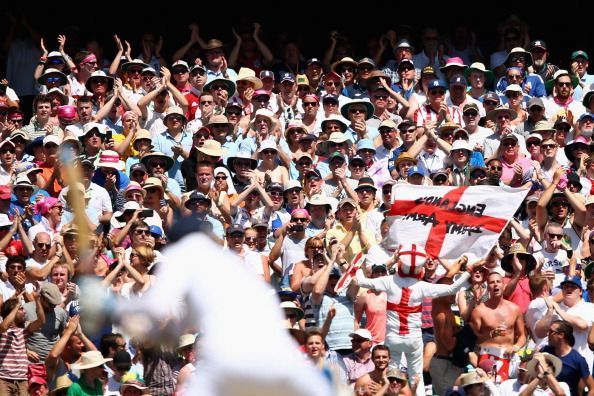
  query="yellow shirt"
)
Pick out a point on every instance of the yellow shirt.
point(339, 232)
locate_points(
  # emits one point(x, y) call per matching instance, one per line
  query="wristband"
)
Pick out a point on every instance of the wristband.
point(42, 59)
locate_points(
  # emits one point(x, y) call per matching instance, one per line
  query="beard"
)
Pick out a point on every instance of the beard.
point(539, 63)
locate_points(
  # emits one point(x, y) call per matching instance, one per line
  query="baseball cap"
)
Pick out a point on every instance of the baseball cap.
point(536, 102)
point(156, 232)
point(576, 280)
point(235, 229)
point(437, 84)
point(363, 333)
point(138, 167)
point(287, 77)
point(577, 54)
point(537, 44)
point(491, 96)
point(266, 74)
point(458, 79)
point(415, 170)
point(312, 61)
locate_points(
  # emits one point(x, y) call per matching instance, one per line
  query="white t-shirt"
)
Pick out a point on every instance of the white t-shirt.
point(31, 263)
point(553, 262)
point(585, 311)
point(536, 310)
point(547, 392)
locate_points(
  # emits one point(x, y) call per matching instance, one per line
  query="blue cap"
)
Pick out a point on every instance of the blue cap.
point(458, 79)
point(576, 280)
point(365, 144)
point(437, 84)
point(287, 77)
point(156, 231)
point(586, 115)
point(415, 170)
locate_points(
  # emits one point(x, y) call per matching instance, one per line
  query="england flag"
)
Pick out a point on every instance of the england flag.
point(451, 221)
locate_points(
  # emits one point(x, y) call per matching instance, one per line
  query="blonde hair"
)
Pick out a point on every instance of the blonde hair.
point(146, 253)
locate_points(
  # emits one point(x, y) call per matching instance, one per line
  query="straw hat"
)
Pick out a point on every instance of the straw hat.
point(185, 340)
point(470, 379)
point(62, 382)
point(154, 155)
point(89, 360)
point(550, 359)
point(247, 74)
point(212, 148)
point(519, 250)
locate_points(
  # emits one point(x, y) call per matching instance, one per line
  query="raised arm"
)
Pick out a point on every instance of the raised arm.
point(542, 215)
point(35, 325)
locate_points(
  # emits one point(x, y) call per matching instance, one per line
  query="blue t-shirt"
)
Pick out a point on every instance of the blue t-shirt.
point(574, 368)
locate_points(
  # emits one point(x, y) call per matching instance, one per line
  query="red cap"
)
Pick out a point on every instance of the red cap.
point(37, 380)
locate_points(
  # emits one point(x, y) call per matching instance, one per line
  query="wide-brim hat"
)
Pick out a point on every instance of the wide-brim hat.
point(153, 182)
point(129, 206)
point(519, 50)
point(344, 61)
point(478, 66)
point(62, 382)
point(240, 156)
point(89, 360)
point(492, 115)
point(551, 83)
point(134, 62)
point(579, 141)
point(295, 125)
point(520, 251)
point(185, 340)
point(470, 379)
point(319, 200)
point(55, 73)
point(211, 148)
point(453, 62)
point(231, 88)
point(543, 126)
point(404, 157)
point(344, 109)
point(136, 385)
point(99, 74)
point(335, 137)
point(109, 159)
point(337, 118)
point(155, 154)
point(552, 359)
point(23, 181)
point(291, 306)
point(142, 134)
point(247, 74)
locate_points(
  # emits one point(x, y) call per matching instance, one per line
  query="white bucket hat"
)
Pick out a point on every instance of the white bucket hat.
point(89, 360)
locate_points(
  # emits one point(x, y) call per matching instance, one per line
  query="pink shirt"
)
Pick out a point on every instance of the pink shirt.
point(521, 295)
point(375, 311)
point(508, 170)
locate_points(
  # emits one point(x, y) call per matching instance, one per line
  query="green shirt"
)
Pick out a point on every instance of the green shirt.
point(80, 388)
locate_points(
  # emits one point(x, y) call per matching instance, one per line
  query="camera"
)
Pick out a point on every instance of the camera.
point(298, 228)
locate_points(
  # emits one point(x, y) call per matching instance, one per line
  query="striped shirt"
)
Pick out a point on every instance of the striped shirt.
point(13, 354)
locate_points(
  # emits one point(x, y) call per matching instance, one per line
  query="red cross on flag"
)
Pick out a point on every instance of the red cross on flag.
point(451, 221)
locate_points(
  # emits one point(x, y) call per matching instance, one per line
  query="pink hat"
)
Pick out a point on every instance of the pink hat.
point(261, 92)
point(43, 207)
point(67, 111)
point(453, 62)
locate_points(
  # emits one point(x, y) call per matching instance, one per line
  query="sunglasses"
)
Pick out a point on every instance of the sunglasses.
point(548, 146)
point(180, 71)
point(233, 113)
point(514, 76)
point(220, 177)
point(298, 219)
point(199, 72)
point(496, 168)
point(347, 69)
point(268, 152)
point(563, 84)
point(565, 204)
point(275, 193)
point(509, 143)
point(490, 103)
point(140, 232)
point(356, 111)
point(219, 87)
point(307, 104)
point(134, 71)
point(177, 118)
point(158, 164)
point(383, 97)
point(7, 150)
point(42, 245)
point(536, 108)
point(437, 92)
point(471, 113)
point(512, 95)
point(53, 79)
point(332, 83)
point(250, 239)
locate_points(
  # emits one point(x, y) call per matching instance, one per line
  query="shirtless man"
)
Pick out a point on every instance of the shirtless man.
point(498, 325)
point(372, 382)
point(443, 371)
